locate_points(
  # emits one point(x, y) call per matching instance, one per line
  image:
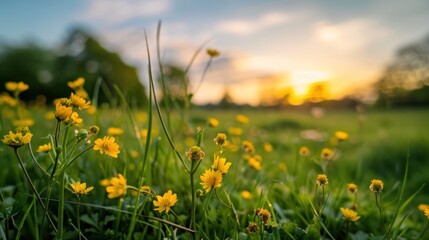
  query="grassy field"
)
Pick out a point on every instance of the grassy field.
point(273, 188)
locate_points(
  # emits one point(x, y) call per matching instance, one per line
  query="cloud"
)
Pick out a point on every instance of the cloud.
point(350, 36)
point(115, 11)
point(244, 27)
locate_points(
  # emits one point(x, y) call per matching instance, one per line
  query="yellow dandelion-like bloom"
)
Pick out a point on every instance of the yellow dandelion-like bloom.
point(341, 136)
point(195, 153)
point(264, 215)
point(221, 165)
point(220, 139)
point(113, 131)
point(248, 146)
point(78, 83)
point(304, 151)
point(117, 186)
point(107, 146)
point(322, 180)
point(105, 182)
point(213, 52)
point(79, 102)
point(423, 207)
point(376, 185)
point(268, 147)
point(44, 148)
point(349, 214)
point(145, 190)
point(21, 136)
point(213, 122)
point(62, 112)
point(165, 202)
point(211, 179)
point(352, 188)
point(80, 188)
point(254, 163)
point(16, 87)
point(8, 100)
point(73, 119)
point(23, 122)
point(326, 154)
point(235, 131)
point(246, 194)
point(242, 119)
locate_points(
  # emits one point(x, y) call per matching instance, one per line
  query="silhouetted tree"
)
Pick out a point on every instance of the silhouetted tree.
point(405, 75)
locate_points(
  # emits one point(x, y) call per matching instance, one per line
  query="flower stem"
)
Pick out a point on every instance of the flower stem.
point(193, 205)
point(61, 207)
point(32, 186)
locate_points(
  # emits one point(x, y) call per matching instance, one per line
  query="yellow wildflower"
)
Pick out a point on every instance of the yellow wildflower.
point(6, 98)
point(235, 131)
point(326, 154)
point(113, 131)
point(264, 215)
point(79, 102)
point(423, 207)
point(349, 214)
point(165, 202)
point(352, 188)
point(268, 147)
point(341, 136)
point(78, 83)
point(44, 148)
point(62, 112)
point(254, 163)
point(213, 52)
point(304, 151)
point(246, 194)
point(145, 190)
point(322, 180)
point(426, 212)
point(73, 119)
point(376, 185)
point(248, 147)
point(211, 179)
point(221, 165)
point(16, 87)
point(195, 153)
point(220, 139)
point(242, 119)
point(80, 188)
point(21, 136)
point(213, 122)
point(117, 186)
point(107, 146)
point(105, 182)
point(23, 122)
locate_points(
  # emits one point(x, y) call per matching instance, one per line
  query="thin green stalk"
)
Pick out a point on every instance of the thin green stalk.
point(35, 161)
point(21, 224)
point(220, 200)
point(64, 145)
point(57, 134)
point(193, 203)
point(32, 186)
point(134, 217)
point(118, 216)
point(78, 219)
point(170, 141)
point(61, 207)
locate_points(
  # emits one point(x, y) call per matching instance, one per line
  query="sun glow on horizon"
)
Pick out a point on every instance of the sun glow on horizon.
point(302, 82)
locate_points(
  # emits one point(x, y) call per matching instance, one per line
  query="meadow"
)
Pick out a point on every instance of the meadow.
point(72, 170)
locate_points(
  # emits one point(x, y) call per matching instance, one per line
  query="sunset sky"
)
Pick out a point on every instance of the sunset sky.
point(266, 46)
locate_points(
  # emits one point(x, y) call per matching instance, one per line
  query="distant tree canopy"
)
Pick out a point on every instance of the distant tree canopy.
point(47, 71)
point(406, 80)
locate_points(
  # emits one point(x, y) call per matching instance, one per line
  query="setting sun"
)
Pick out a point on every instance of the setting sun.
point(302, 83)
